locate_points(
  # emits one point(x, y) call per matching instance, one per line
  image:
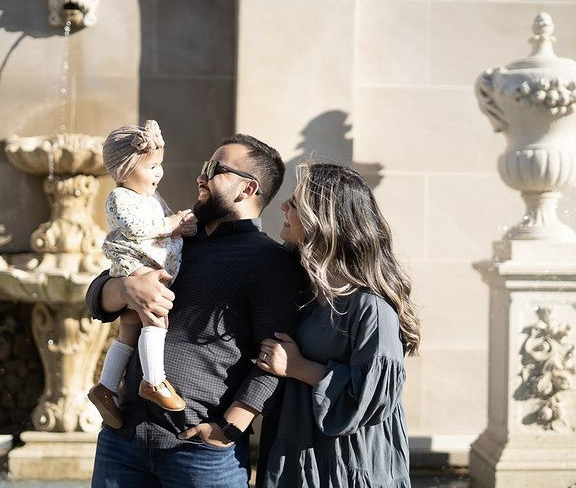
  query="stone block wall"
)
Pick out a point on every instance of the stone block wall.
point(173, 61)
point(388, 86)
point(385, 85)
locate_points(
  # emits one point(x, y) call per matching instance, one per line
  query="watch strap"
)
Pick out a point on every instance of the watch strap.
point(230, 431)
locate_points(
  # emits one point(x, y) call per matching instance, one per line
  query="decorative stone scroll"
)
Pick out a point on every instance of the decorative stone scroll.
point(4, 238)
point(70, 343)
point(548, 368)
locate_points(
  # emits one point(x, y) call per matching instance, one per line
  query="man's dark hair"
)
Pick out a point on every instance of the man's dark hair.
point(266, 165)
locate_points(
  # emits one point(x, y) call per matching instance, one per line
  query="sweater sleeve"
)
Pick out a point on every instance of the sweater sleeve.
point(368, 388)
point(274, 309)
point(94, 299)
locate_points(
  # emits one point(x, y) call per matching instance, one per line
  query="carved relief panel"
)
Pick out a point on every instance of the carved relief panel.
point(547, 372)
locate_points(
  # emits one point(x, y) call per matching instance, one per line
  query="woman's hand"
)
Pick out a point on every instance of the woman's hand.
point(282, 357)
point(279, 357)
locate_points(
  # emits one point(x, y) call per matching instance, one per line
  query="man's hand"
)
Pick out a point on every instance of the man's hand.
point(147, 295)
point(210, 433)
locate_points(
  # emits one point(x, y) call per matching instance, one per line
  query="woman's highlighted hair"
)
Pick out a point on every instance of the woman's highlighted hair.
point(348, 241)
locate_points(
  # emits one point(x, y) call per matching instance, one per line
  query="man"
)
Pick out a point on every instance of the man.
point(236, 286)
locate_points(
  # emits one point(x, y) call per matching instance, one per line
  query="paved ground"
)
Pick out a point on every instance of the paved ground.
point(424, 481)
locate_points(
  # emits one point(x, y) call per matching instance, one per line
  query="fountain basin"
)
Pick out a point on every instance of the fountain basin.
point(60, 154)
point(21, 282)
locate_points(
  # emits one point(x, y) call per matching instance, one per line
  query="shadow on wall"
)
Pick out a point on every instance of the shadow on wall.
point(30, 19)
point(325, 139)
point(187, 83)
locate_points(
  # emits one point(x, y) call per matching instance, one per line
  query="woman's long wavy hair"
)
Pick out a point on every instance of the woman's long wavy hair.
point(347, 241)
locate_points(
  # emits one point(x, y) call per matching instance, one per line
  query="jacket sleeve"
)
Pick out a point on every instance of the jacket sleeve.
point(274, 308)
point(94, 299)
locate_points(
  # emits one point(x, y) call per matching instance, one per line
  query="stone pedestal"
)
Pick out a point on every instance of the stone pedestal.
point(530, 440)
point(53, 456)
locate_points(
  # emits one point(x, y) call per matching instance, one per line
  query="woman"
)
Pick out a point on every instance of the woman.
point(342, 422)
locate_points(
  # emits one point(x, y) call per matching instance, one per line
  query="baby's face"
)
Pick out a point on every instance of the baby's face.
point(147, 174)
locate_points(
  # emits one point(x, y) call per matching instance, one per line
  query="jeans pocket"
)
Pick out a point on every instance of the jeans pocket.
point(213, 447)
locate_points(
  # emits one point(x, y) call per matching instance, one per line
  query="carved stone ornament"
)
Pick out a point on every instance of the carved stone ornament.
point(70, 343)
point(548, 368)
point(80, 13)
point(55, 278)
point(70, 163)
point(60, 154)
point(4, 238)
point(71, 229)
point(533, 102)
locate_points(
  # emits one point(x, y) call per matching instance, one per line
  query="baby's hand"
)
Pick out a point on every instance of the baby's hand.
point(188, 224)
point(183, 222)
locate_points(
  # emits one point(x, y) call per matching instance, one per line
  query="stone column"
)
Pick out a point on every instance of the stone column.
point(530, 440)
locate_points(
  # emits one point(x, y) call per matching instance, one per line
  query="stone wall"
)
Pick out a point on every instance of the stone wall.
point(382, 84)
point(173, 61)
point(388, 86)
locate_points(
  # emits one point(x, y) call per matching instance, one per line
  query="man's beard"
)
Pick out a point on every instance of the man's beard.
point(215, 207)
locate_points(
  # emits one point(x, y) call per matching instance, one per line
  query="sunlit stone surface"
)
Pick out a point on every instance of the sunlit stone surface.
point(530, 440)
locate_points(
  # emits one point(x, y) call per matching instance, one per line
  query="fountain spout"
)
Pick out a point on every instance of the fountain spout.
point(80, 13)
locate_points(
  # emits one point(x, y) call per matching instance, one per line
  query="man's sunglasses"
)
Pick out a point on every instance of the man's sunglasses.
point(214, 167)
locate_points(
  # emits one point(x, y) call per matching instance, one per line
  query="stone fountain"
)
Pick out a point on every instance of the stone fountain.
point(54, 277)
point(64, 257)
point(530, 440)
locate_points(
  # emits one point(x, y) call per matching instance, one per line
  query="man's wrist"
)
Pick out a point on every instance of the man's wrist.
point(230, 431)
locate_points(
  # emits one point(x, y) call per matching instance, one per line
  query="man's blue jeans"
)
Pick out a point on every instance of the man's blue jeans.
point(121, 464)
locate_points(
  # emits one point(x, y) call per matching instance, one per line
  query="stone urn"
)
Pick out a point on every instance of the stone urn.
point(532, 101)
